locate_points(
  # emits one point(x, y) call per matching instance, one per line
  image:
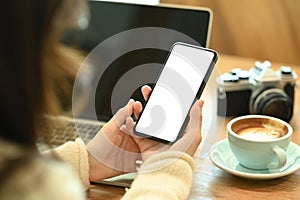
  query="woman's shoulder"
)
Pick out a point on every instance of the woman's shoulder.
point(29, 175)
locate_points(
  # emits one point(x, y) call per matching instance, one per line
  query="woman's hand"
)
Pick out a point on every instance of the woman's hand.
point(115, 149)
point(113, 152)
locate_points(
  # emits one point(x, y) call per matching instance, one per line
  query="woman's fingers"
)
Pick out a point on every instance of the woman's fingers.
point(137, 109)
point(128, 126)
point(137, 106)
point(194, 131)
point(196, 116)
point(123, 113)
point(146, 90)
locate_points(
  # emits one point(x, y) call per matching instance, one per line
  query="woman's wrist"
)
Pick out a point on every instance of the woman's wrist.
point(99, 171)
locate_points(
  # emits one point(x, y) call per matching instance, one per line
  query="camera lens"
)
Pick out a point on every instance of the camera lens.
point(273, 102)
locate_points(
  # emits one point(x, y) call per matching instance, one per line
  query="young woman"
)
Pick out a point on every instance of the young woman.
point(34, 68)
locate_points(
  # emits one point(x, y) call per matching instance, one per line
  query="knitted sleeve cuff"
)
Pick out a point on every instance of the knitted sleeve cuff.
point(166, 175)
point(75, 154)
point(165, 161)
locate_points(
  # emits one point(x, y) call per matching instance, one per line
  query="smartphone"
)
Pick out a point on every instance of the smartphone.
point(183, 77)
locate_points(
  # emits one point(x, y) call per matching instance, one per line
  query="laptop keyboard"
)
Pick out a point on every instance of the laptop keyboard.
point(63, 129)
point(87, 130)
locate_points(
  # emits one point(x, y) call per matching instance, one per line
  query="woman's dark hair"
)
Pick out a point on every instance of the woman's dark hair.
point(28, 57)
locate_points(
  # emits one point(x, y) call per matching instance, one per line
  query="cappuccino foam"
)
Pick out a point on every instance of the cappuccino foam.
point(259, 133)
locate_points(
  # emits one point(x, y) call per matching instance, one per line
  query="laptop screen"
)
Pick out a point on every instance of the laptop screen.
point(109, 19)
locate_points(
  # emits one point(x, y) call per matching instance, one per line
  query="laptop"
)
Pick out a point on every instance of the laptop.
point(108, 19)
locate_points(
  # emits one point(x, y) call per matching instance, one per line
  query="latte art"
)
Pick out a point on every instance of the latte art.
point(259, 133)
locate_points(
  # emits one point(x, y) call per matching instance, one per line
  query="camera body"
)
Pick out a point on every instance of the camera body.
point(260, 90)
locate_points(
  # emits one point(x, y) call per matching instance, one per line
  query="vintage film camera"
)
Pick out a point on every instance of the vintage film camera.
point(260, 90)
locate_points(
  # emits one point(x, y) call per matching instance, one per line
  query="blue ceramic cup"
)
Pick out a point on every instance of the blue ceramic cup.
point(259, 141)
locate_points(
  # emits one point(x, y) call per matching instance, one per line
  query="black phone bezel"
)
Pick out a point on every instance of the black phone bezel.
point(198, 95)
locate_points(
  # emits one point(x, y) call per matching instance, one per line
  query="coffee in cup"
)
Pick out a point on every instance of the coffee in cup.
point(261, 129)
point(259, 141)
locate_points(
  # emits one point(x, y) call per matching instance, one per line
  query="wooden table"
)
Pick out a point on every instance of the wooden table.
point(211, 182)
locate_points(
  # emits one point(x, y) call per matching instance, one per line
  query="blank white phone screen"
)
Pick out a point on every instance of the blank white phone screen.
point(174, 92)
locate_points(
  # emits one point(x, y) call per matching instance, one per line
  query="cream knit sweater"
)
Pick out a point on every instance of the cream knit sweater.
point(166, 175)
point(163, 176)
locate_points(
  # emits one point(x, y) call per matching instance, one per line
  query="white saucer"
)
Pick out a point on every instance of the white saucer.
point(222, 157)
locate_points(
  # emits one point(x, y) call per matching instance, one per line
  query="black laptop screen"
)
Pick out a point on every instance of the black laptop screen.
point(109, 18)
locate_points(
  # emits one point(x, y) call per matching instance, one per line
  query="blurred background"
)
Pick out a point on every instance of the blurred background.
point(262, 29)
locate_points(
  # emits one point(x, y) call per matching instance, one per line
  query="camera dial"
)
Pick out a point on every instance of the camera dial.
point(262, 72)
point(286, 70)
point(229, 77)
